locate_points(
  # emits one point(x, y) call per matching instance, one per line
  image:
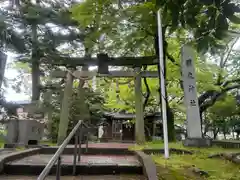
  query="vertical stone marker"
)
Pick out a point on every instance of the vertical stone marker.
point(194, 129)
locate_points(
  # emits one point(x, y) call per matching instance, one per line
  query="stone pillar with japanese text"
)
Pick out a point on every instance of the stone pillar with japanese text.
point(194, 129)
point(190, 93)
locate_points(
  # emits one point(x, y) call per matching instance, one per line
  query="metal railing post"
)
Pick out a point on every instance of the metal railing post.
point(75, 154)
point(79, 143)
point(78, 133)
point(57, 156)
point(58, 172)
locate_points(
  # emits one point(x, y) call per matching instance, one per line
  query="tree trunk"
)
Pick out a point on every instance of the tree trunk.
point(170, 114)
point(148, 135)
point(35, 64)
point(35, 79)
point(3, 61)
point(170, 123)
point(201, 117)
point(206, 127)
point(215, 133)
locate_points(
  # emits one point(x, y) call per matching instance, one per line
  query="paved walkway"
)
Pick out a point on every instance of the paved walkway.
point(107, 177)
point(43, 159)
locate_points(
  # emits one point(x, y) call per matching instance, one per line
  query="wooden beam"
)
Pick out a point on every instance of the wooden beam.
point(113, 74)
point(84, 61)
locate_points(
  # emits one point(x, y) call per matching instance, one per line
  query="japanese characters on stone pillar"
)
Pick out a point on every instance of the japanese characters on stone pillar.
point(190, 93)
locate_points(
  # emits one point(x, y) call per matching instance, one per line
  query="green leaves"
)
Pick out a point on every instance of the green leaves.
point(208, 20)
point(234, 19)
point(82, 13)
point(131, 29)
point(122, 101)
point(225, 107)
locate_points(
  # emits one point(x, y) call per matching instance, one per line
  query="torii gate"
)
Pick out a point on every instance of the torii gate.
point(103, 61)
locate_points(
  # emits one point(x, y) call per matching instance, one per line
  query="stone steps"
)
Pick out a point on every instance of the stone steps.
point(94, 148)
point(101, 161)
point(89, 164)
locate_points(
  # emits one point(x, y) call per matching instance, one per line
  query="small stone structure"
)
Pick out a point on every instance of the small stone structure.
point(23, 132)
point(27, 128)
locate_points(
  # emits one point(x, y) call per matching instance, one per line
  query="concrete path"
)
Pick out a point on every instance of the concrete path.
point(105, 177)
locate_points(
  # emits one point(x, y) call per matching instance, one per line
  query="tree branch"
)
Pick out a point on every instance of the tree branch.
point(211, 93)
point(205, 96)
point(226, 83)
point(216, 96)
point(180, 99)
point(171, 58)
point(147, 89)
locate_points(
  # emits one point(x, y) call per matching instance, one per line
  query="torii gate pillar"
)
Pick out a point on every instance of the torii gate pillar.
point(139, 123)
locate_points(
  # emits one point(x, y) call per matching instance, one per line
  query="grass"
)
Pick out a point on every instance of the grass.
point(179, 167)
point(160, 145)
point(49, 143)
point(181, 164)
point(1, 144)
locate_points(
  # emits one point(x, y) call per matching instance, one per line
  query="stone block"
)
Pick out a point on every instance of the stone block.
point(197, 142)
point(23, 132)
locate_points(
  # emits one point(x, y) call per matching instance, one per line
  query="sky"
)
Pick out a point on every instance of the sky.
point(10, 73)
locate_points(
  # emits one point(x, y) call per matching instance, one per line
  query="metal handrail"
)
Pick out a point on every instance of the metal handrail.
point(57, 155)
